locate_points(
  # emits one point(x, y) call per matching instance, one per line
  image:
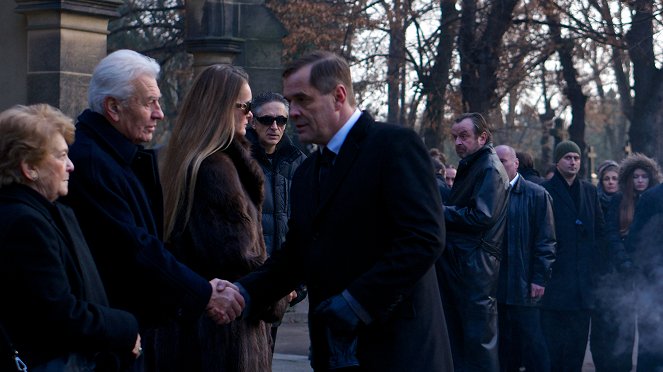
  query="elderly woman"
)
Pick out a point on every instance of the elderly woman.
point(213, 194)
point(55, 311)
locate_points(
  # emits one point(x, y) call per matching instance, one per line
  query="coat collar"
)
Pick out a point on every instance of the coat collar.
point(561, 188)
point(19, 193)
point(114, 142)
point(470, 159)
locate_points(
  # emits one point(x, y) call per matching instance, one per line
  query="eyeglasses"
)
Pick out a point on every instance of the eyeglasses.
point(268, 120)
point(245, 107)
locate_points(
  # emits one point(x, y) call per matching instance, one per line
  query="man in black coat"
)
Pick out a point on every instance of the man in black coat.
point(468, 270)
point(365, 231)
point(569, 295)
point(116, 195)
point(527, 256)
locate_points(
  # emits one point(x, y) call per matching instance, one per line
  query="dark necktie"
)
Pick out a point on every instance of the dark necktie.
point(326, 162)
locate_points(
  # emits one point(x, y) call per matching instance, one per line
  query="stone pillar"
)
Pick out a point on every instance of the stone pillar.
point(212, 32)
point(242, 32)
point(65, 41)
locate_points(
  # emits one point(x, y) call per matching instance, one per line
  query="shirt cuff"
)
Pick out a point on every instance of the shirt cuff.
point(356, 307)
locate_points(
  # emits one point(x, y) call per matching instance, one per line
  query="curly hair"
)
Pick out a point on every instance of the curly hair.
point(26, 133)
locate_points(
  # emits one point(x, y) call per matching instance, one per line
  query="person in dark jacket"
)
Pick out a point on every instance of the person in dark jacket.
point(579, 228)
point(117, 197)
point(644, 242)
point(440, 172)
point(278, 158)
point(365, 231)
point(528, 254)
point(526, 168)
point(468, 270)
point(613, 321)
point(604, 329)
point(55, 311)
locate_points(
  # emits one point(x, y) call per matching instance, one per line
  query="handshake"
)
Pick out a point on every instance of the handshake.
point(226, 303)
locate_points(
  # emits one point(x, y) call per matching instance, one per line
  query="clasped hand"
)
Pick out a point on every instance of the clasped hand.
point(226, 303)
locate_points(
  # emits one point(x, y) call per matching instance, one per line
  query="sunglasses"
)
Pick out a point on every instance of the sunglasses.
point(268, 120)
point(245, 107)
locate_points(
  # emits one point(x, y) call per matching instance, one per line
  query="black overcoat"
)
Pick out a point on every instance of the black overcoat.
point(375, 229)
point(54, 303)
point(116, 194)
point(579, 231)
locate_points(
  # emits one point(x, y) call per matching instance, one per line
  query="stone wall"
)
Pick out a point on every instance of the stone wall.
point(13, 56)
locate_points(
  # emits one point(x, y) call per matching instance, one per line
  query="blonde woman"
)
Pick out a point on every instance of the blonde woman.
point(213, 192)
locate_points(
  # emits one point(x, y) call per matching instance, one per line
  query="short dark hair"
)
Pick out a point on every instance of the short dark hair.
point(328, 70)
point(264, 98)
point(480, 124)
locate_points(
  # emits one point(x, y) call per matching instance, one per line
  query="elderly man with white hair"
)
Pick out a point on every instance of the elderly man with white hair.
point(116, 195)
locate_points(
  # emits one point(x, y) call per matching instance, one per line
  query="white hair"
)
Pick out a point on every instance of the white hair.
point(114, 75)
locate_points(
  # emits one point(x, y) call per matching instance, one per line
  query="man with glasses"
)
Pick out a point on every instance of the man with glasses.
point(475, 217)
point(279, 158)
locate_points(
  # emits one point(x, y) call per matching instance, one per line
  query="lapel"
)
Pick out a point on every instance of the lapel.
point(344, 161)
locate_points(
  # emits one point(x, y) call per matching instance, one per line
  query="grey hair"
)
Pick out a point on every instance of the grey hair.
point(114, 75)
point(265, 98)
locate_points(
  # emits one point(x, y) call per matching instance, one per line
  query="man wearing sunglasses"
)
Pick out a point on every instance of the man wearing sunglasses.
point(279, 158)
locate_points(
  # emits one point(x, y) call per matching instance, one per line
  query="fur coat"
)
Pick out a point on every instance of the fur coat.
point(222, 239)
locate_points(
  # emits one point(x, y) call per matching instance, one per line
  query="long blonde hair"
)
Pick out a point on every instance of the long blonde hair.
point(205, 125)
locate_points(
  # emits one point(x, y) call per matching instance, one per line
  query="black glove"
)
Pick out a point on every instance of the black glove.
point(341, 325)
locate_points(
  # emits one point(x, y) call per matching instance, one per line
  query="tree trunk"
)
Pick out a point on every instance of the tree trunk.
point(645, 132)
point(435, 84)
point(480, 53)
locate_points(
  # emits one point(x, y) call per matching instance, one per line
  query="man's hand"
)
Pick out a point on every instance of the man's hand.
point(291, 296)
point(226, 302)
point(137, 350)
point(536, 291)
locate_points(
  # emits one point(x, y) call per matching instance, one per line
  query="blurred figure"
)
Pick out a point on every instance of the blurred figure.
point(278, 158)
point(440, 172)
point(644, 241)
point(450, 175)
point(550, 171)
point(55, 309)
point(435, 153)
point(526, 168)
point(213, 192)
point(579, 229)
point(614, 335)
point(527, 257)
point(468, 271)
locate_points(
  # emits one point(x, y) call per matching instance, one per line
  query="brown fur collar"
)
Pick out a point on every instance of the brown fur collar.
point(635, 161)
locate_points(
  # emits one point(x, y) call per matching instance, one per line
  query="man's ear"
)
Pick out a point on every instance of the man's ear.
point(483, 138)
point(340, 95)
point(112, 108)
